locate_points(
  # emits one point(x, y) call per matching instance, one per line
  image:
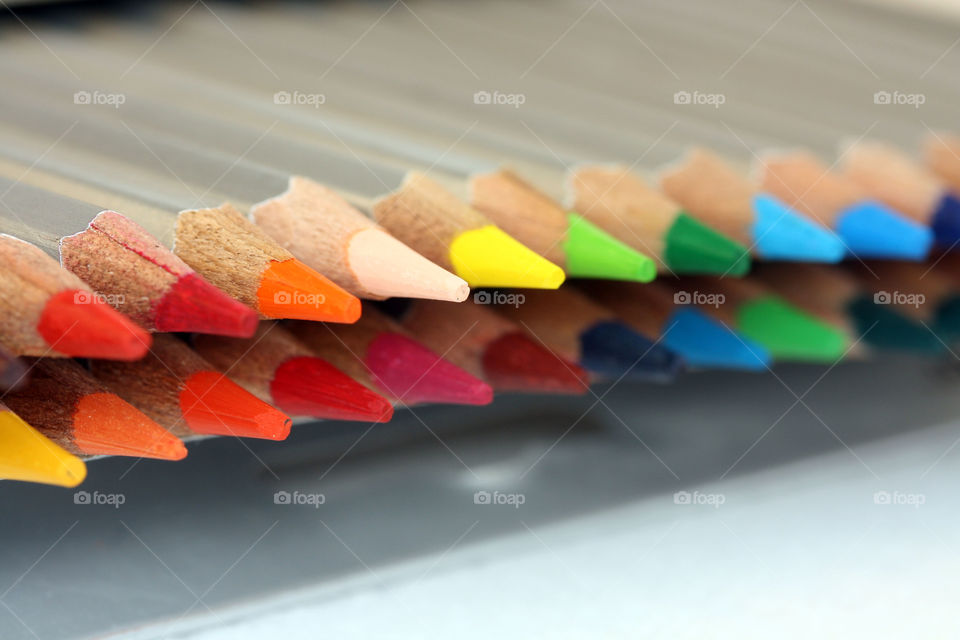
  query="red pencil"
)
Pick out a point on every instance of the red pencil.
point(47, 311)
point(279, 369)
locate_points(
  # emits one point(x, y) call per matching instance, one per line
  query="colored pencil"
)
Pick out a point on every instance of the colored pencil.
point(491, 347)
point(894, 178)
point(751, 309)
point(321, 228)
point(570, 324)
point(264, 275)
point(417, 210)
point(868, 228)
point(381, 354)
point(699, 339)
point(29, 456)
point(47, 311)
point(279, 369)
point(13, 372)
point(717, 195)
point(620, 202)
point(66, 404)
point(184, 393)
point(220, 244)
point(123, 263)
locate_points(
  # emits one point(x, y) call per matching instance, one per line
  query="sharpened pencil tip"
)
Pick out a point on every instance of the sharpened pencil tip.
point(789, 333)
point(28, 455)
point(213, 404)
point(488, 257)
point(104, 424)
point(308, 386)
point(613, 349)
point(704, 342)
point(407, 370)
point(78, 324)
point(387, 268)
point(194, 305)
point(290, 289)
point(692, 247)
point(781, 233)
point(872, 230)
point(514, 362)
point(593, 253)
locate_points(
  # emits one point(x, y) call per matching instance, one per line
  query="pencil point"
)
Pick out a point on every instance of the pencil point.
point(488, 257)
point(514, 362)
point(194, 305)
point(386, 267)
point(103, 424)
point(307, 386)
point(213, 404)
point(78, 324)
point(291, 289)
point(28, 455)
point(407, 370)
point(783, 234)
point(704, 342)
point(788, 333)
point(946, 221)
point(593, 253)
point(693, 247)
point(613, 349)
point(872, 230)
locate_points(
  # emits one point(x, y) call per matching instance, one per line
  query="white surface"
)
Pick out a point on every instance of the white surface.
point(798, 551)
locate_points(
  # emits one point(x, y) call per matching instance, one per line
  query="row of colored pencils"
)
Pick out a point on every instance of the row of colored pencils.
point(182, 342)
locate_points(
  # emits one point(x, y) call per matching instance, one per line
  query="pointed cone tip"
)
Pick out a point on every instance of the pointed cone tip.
point(488, 257)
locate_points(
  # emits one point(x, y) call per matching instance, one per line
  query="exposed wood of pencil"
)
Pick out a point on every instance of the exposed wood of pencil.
point(80, 414)
point(941, 154)
point(521, 210)
point(645, 307)
point(894, 178)
point(427, 217)
point(557, 318)
point(804, 183)
point(459, 332)
point(825, 292)
point(621, 203)
point(712, 191)
point(154, 383)
point(321, 228)
point(252, 363)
